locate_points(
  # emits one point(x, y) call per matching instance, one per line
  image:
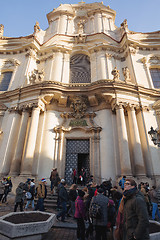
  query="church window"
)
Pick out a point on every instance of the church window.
point(80, 69)
point(5, 78)
point(155, 74)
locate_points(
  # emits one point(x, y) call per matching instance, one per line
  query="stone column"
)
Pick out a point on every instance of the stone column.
point(66, 67)
point(57, 67)
point(143, 133)
point(135, 142)
point(62, 24)
point(93, 66)
point(26, 168)
point(9, 140)
point(109, 66)
point(98, 23)
point(123, 142)
point(16, 162)
point(92, 24)
point(101, 64)
point(47, 157)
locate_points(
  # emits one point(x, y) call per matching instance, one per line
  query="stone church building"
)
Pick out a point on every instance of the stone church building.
point(82, 93)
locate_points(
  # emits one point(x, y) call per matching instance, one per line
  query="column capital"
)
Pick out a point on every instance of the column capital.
point(119, 106)
point(13, 109)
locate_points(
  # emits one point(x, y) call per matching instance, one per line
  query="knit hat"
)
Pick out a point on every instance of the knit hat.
point(43, 180)
point(63, 181)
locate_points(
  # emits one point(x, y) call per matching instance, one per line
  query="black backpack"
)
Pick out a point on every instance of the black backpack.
point(95, 210)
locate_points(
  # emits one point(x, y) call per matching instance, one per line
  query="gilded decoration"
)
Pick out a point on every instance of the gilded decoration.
point(79, 107)
point(155, 60)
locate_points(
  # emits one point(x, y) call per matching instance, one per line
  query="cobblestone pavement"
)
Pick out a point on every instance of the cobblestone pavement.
point(60, 234)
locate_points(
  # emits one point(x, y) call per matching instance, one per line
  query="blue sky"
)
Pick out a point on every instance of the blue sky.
point(19, 16)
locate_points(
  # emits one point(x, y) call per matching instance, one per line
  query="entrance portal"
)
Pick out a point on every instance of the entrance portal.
point(77, 156)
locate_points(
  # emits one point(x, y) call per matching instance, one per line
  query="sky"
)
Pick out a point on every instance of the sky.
point(19, 16)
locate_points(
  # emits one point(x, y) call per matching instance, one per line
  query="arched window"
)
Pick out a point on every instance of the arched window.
point(155, 74)
point(80, 69)
point(5, 78)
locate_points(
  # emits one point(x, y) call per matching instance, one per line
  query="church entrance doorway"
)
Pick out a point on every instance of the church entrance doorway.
point(77, 156)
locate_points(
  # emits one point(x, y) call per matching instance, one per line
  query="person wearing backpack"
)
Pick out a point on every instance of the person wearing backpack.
point(41, 194)
point(30, 195)
point(99, 213)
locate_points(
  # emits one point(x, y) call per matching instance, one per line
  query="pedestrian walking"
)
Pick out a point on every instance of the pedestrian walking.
point(63, 199)
point(53, 179)
point(154, 200)
point(19, 200)
point(72, 198)
point(41, 194)
point(80, 215)
point(30, 195)
point(99, 213)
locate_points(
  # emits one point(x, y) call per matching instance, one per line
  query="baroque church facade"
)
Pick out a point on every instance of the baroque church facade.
point(82, 93)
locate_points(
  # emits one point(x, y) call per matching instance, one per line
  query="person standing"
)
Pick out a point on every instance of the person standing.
point(31, 190)
point(1, 190)
point(72, 198)
point(121, 182)
point(136, 220)
point(80, 215)
point(74, 176)
point(154, 201)
point(100, 222)
point(53, 178)
point(19, 200)
point(41, 194)
point(63, 198)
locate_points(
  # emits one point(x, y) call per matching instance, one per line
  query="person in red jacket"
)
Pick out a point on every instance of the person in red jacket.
point(80, 215)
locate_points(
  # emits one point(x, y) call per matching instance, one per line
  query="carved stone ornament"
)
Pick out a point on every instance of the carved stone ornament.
point(36, 27)
point(79, 107)
point(36, 76)
point(80, 38)
point(10, 63)
point(1, 30)
point(115, 73)
point(155, 60)
point(126, 74)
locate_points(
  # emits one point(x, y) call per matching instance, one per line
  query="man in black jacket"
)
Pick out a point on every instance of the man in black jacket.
point(136, 221)
point(63, 198)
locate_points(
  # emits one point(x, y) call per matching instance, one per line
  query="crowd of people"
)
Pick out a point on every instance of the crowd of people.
point(127, 206)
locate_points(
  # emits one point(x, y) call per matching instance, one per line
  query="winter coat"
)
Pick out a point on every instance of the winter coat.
point(103, 202)
point(53, 175)
point(136, 221)
point(153, 196)
point(19, 193)
point(63, 195)
point(1, 188)
point(41, 190)
point(72, 195)
point(79, 208)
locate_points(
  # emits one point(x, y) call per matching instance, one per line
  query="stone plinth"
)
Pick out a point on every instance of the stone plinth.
point(25, 231)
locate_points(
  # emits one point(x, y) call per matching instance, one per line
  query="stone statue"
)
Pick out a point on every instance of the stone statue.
point(126, 74)
point(115, 73)
point(124, 24)
point(1, 30)
point(81, 26)
point(36, 27)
